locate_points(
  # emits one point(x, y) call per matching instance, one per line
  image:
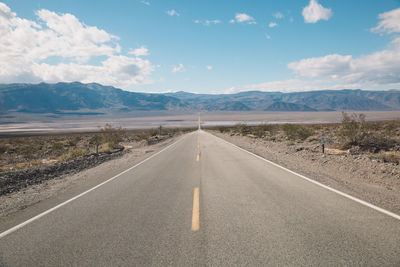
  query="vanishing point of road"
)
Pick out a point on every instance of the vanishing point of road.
point(204, 202)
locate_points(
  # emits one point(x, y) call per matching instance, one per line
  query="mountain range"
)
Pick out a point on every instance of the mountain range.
point(94, 98)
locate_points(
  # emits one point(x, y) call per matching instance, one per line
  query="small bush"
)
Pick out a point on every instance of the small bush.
point(242, 128)
point(222, 129)
point(260, 130)
point(368, 136)
point(3, 149)
point(57, 147)
point(353, 129)
point(392, 156)
point(375, 142)
point(73, 153)
point(112, 135)
point(296, 132)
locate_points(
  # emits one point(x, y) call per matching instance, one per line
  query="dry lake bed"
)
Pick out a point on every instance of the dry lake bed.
point(14, 124)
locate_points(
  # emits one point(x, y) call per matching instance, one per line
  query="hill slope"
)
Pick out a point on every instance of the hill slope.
point(53, 98)
point(284, 106)
point(92, 98)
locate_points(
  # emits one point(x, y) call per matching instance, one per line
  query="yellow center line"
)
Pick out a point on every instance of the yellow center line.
point(198, 157)
point(196, 211)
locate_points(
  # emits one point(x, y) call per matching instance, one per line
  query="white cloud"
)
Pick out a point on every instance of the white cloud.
point(272, 24)
point(390, 22)
point(27, 46)
point(172, 13)
point(278, 15)
point(331, 65)
point(295, 85)
point(315, 12)
point(179, 68)
point(141, 51)
point(382, 67)
point(243, 18)
point(207, 22)
point(209, 67)
point(267, 36)
point(376, 69)
point(145, 2)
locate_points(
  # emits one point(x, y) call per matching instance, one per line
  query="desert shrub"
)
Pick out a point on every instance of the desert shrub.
point(375, 142)
point(390, 129)
point(154, 132)
point(112, 135)
point(222, 129)
point(392, 156)
point(73, 153)
point(3, 149)
point(353, 129)
point(74, 141)
point(370, 137)
point(296, 132)
point(58, 146)
point(242, 128)
point(258, 131)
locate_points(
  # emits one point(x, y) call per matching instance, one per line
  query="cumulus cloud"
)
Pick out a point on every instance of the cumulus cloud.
point(172, 13)
point(295, 85)
point(209, 67)
point(379, 68)
point(145, 2)
point(243, 18)
point(27, 46)
point(382, 67)
point(207, 22)
point(141, 51)
point(272, 24)
point(315, 12)
point(267, 36)
point(390, 22)
point(179, 68)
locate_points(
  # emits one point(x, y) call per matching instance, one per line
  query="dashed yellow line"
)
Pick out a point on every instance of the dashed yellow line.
point(198, 157)
point(196, 211)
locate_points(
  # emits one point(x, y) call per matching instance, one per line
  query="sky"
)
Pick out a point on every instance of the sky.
point(224, 46)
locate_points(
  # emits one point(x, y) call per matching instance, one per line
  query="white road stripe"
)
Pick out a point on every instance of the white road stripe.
point(19, 226)
point(365, 203)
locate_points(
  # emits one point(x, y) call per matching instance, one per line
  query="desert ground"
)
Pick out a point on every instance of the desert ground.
point(20, 124)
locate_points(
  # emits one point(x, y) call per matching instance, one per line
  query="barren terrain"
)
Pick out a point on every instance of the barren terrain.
point(27, 123)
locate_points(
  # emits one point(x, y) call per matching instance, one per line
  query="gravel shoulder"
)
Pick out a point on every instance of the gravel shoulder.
point(42, 196)
point(358, 175)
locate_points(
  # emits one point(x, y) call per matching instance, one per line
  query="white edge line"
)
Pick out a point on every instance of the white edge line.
point(19, 226)
point(362, 202)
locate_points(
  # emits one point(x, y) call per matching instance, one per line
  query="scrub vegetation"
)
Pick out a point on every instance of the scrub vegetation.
point(353, 135)
point(28, 151)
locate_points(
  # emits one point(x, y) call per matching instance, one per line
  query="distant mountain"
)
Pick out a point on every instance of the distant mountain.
point(284, 106)
point(92, 98)
point(55, 98)
point(324, 100)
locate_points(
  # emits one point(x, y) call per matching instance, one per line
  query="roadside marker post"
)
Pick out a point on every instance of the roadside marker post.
point(323, 143)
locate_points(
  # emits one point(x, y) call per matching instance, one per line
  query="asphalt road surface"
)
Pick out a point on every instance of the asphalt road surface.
point(205, 202)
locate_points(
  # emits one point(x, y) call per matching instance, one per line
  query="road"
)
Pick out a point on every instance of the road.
point(205, 202)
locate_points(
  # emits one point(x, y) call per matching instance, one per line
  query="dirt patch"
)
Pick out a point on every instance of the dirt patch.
point(365, 177)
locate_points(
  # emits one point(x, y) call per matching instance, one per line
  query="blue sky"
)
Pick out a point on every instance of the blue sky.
point(203, 46)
